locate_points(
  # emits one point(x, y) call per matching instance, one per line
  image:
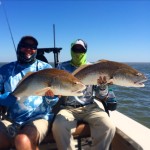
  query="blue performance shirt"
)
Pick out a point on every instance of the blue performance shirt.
point(67, 66)
point(33, 107)
point(87, 93)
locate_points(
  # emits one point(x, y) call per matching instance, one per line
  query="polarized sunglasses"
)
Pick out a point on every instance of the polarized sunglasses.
point(26, 45)
point(78, 49)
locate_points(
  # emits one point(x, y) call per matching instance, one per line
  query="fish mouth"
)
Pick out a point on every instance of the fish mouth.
point(140, 83)
point(78, 92)
point(81, 91)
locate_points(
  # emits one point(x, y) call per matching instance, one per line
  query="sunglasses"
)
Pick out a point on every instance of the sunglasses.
point(28, 46)
point(78, 49)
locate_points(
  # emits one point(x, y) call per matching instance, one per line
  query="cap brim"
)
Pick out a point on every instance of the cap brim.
point(79, 42)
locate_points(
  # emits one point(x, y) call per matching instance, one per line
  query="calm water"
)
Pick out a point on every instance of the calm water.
point(135, 102)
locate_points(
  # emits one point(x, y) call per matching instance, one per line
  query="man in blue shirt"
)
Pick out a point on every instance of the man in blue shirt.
point(83, 108)
point(27, 123)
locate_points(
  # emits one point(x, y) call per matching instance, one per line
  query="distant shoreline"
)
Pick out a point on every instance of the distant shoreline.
point(60, 62)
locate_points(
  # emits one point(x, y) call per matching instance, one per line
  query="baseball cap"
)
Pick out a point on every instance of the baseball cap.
point(28, 40)
point(81, 43)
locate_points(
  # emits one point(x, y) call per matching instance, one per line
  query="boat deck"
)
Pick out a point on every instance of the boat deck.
point(130, 135)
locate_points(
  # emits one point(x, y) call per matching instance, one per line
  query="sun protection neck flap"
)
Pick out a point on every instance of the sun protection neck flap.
point(78, 59)
point(23, 60)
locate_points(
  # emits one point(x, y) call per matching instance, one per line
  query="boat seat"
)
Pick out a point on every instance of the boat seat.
point(82, 131)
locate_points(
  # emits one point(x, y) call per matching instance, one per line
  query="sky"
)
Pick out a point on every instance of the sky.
point(117, 30)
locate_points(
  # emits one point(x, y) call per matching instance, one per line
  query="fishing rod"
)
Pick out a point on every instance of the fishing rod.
point(6, 17)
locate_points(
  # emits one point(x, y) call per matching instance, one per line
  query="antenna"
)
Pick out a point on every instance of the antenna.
point(54, 34)
point(6, 17)
point(55, 50)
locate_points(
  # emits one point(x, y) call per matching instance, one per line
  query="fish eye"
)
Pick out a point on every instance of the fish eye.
point(139, 74)
point(76, 82)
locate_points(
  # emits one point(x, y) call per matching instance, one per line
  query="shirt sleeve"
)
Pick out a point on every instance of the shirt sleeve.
point(1, 81)
point(101, 91)
point(7, 99)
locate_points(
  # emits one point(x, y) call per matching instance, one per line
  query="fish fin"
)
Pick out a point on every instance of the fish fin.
point(110, 81)
point(86, 65)
point(80, 68)
point(101, 60)
point(42, 92)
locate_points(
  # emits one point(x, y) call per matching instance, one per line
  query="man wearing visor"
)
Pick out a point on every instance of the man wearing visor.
point(82, 108)
point(26, 123)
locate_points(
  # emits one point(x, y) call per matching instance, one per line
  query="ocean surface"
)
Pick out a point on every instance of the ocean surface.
point(134, 102)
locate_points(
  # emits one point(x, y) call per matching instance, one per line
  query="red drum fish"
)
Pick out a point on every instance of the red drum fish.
point(116, 73)
point(60, 82)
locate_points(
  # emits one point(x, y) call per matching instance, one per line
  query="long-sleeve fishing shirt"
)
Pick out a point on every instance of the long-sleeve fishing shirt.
point(33, 107)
